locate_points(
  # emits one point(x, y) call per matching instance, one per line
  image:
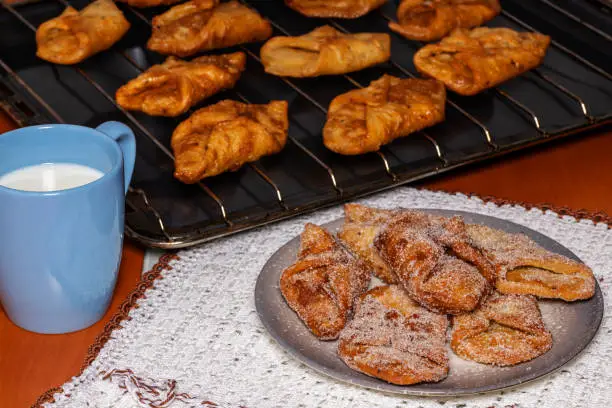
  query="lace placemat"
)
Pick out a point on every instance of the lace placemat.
point(194, 338)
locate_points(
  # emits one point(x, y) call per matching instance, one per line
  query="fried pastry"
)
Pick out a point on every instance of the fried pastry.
point(363, 120)
point(149, 3)
point(361, 225)
point(506, 330)
point(469, 62)
point(202, 25)
point(224, 136)
point(524, 267)
point(334, 9)
point(428, 20)
point(322, 285)
point(324, 51)
point(393, 338)
point(172, 88)
point(75, 35)
point(434, 263)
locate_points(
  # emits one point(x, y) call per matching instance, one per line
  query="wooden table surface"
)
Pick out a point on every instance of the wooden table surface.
point(576, 173)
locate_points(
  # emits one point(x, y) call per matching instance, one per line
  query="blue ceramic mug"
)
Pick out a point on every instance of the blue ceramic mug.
point(60, 250)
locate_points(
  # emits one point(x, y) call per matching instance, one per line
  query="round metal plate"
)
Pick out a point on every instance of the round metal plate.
point(573, 326)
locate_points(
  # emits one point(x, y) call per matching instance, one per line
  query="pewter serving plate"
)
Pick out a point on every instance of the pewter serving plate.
point(573, 326)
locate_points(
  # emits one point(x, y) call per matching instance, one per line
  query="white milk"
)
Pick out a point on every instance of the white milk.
point(50, 177)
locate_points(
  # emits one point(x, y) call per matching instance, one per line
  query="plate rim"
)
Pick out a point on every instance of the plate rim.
point(410, 389)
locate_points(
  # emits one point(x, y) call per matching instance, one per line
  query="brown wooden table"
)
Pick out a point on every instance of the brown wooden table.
point(576, 173)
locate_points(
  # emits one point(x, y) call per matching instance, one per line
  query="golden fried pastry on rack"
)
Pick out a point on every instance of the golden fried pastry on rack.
point(428, 20)
point(202, 25)
point(361, 225)
point(524, 267)
point(224, 136)
point(322, 285)
point(469, 62)
point(334, 9)
point(324, 51)
point(393, 338)
point(506, 330)
point(433, 263)
point(172, 88)
point(149, 3)
point(75, 35)
point(363, 120)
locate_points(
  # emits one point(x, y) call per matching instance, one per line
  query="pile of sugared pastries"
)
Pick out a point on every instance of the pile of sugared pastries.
point(226, 135)
point(433, 268)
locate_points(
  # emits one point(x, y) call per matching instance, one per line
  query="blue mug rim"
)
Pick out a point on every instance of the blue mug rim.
point(107, 139)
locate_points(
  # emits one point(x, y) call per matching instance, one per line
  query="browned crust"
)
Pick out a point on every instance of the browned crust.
point(328, 9)
point(470, 61)
point(148, 279)
point(505, 330)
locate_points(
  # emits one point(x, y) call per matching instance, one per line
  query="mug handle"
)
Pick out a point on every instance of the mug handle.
point(124, 136)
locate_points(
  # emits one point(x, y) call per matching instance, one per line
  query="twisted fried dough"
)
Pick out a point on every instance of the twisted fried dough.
point(393, 338)
point(324, 51)
point(524, 267)
point(428, 20)
point(202, 25)
point(323, 283)
point(74, 35)
point(224, 136)
point(506, 330)
point(363, 120)
point(172, 88)
point(470, 61)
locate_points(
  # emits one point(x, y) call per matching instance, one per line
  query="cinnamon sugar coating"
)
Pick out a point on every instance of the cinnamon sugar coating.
point(506, 330)
point(524, 267)
point(395, 339)
point(361, 225)
point(435, 261)
point(323, 283)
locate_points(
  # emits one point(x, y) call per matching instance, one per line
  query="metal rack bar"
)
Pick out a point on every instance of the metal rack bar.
point(578, 20)
point(127, 114)
point(40, 100)
point(560, 46)
point(547, 79)
point(148, 204)
point(522, 107)
point(298, 144)
point(436, 146)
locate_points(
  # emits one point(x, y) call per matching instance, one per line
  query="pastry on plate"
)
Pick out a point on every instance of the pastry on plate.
point(393, 338)
point(203, 25)
point(470, 61)
point(506, 330)
point(361, 225)
point(428, 20)
point(433, 263)
point(334, 9)
point(224, 136)
point(75, 35)
point(322, 285)
point(362, 120)
point(324, 51)
point(172, 88)
point(524, 267)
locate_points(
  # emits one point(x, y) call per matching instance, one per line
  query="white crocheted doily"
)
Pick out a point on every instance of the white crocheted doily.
point(198, 326)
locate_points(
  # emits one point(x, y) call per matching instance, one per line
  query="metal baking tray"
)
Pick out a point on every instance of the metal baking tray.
point(570, 93)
